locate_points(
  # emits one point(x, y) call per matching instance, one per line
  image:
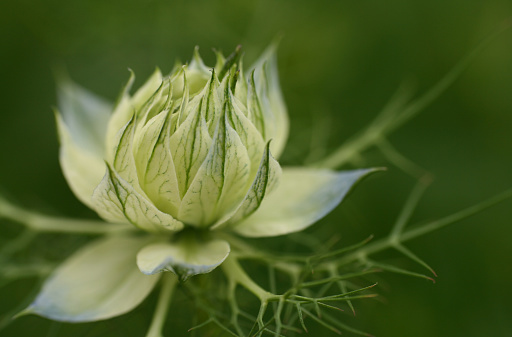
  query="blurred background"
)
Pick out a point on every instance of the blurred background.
point(339, 62)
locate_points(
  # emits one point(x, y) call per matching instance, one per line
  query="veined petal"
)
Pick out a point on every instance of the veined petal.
point(220, 181)
point(266, 80)
point(190, 143)
point(147, 90)
point(117, 201)
point(99, 281)
point(85, 116)
point(82, 169)
point(266, 180)
point(186, 257)
point(124, 161)
point(155, 164)
point(302, 197)
point(127, 106)
point(249, 134)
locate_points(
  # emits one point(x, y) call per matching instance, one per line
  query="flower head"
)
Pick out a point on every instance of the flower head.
point(186, 149)
point(185, 157)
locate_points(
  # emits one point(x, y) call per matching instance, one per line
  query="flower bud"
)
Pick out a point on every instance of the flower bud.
point(192, 148)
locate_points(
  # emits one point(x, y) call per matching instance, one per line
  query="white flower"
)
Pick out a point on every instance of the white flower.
point(186, 156)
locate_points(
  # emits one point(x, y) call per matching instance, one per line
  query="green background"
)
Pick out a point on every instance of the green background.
point(340, 60)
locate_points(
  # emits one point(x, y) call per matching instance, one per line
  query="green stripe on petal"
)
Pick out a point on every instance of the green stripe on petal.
point(124, 161)
point(128, 105)
point(220, 181)
point(249, 134)
point(156, 165)
point(266, 82)
point(190, 144)
point(302, 197)
point(186, 257)
point(83, 170)
point(266, 179)
point(99, 281)
point(117, 201)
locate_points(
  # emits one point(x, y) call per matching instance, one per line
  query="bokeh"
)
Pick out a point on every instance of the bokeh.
point(339, 62)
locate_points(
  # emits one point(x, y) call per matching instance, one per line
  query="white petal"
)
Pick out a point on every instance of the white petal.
point(82, 169)
point(302, 197)
point(85, 115)
point(186, 257)
point(99, 281)
point(266, 80)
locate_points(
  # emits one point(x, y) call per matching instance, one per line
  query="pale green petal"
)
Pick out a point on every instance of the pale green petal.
point(302, 197)
point(117, 201)
point(82, 169)
point(85, 115)
point(147, 90)
point(127, 106)
point(197, 73)
point(266, 79)
point(124, 161)
point(191, 142)
point(266, 180)
point(99, 281)
point(249, 134)
point(156, 166)
point(186, 257)
point(219, 184)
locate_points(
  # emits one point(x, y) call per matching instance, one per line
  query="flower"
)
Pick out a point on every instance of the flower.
point(185, 157)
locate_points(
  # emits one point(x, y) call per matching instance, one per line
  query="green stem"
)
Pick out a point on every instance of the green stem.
point(235, 273)
point(397, 113)
point(169, 283)
point(395, 239)
point(43, 223)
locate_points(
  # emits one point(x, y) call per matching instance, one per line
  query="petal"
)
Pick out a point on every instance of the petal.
point(185, 257)
point(99, 281)
point(266, 82)
point(220, 183)
point(302, 197)
point(266, 179)
point(128, 105)
point(191, 142)
point(117, 201)
point(85, 115)
point(155, 165)
point(82, 169)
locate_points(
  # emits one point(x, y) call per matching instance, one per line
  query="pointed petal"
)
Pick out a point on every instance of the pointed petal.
point(124, 161)
point(220, 182)
point(266, 79)
point(249, 134)
point(117, 201)
point(155, 164)
point(127, 106)
point(266, 179)
point(302, 197)
point(186, 257)
point(99, 281)
point(85, 116)
point(190, 144)
point(82, 169)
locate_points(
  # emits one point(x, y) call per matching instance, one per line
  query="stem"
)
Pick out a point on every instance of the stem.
point(235, 273)
point(44, 223)
point(169, 283)
point(395, 239)
point(397, 113)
